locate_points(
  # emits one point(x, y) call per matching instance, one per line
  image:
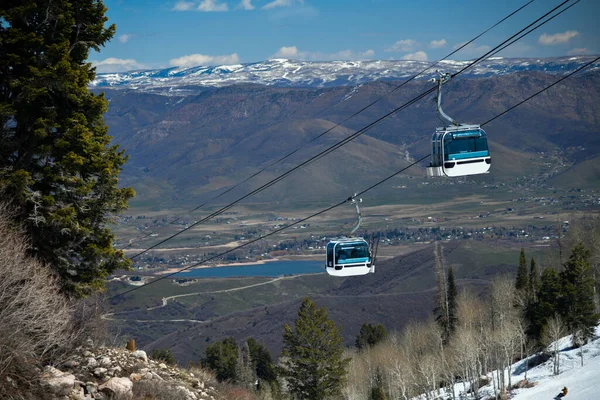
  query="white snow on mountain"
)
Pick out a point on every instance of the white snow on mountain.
point(286, 73)
point(582, 382)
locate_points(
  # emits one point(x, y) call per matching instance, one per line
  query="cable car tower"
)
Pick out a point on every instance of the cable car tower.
point(350, 256)
point(457, 149)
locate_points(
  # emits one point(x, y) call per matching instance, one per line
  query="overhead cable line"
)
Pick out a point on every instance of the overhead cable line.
point(270, 233)
point(291, 153)
point(352, 136)
point(346, 200)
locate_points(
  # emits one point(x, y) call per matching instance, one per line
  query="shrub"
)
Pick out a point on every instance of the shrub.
point(163, 355)
point(157, 390)
point(36, 324)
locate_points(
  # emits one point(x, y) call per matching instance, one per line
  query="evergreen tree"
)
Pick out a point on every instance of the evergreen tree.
point(522, 278)
point(262, 361)
point(546, 305)
point(221, 358)
point(534, 281)
point(452, 293)
point(370, 335)
point(311, 359)
point(244, 370)
point(577, 295)
point(57, 166)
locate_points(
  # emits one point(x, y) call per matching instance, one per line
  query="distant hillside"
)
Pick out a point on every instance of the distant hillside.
point(183, 148)
point(401, 290)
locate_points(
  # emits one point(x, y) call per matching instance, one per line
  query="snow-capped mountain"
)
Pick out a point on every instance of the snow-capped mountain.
point(286, 73)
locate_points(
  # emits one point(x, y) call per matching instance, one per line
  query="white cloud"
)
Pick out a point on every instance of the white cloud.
point(193, 60)
point(124, 38)
point(343, 55)
point(580, 51)
point(402, 45)
point(246, 5)
point(287, 52)
point(416, 56)
point(281, 3)
point(557, 38)
point(117, 65)
point(212, 5)
point(203, 6)
point(436, 44)
point(183, 6)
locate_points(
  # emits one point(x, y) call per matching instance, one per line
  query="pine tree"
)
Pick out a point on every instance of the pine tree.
point(577, 295)
point(441, 311)
point(57, 166)
point(221, 358)
point(534, 282)
point(311, 359)
point(262, 361)
point(546, 306)
point(452, 293)
point(244, 371)
point(522, 279)
point(370, 335)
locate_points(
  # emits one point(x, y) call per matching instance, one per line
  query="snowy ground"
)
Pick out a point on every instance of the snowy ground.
point(583, 383)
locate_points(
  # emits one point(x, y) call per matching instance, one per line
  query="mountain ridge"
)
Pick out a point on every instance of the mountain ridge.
point(294, 73)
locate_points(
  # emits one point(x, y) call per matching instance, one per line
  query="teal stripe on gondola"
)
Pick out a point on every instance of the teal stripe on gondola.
point(473, 154)
point(353, 260)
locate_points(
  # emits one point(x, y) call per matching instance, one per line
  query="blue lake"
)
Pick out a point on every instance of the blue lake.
point(273, 268)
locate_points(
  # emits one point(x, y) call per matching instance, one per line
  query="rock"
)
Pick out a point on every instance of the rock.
point(156, 376)
point(91, 362)
point(162, 366)
point(105, 362)
point(148, 376)
point(189, 395)
point(77, 393)
point(114, 371)
point(88, 353)
point(91, 387)
point(140, 354)
point(100, 372)
point(72, 364)
point(144, 371)
point(135, 377)
point(119, 387)
point(57, 382)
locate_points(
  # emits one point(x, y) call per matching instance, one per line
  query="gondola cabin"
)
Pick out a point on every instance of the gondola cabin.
point(348, 257)
point(459, 151)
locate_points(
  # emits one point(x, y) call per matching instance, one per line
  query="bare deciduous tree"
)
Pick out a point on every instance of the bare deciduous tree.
point(555, 329)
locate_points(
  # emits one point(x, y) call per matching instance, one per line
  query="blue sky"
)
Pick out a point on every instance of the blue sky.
point(159, 34)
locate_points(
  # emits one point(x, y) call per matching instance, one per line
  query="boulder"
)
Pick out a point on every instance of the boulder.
point(57, 382)
point(105, 362)
point(91, 362)
point(100, 372)
point(119, 387)
point(140, 354)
